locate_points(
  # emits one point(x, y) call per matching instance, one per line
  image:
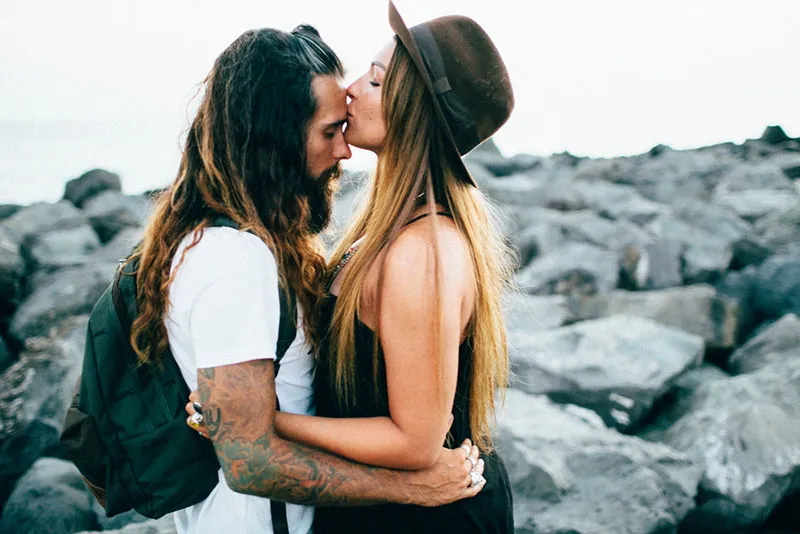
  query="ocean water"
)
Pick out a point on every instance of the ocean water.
point(38, 158)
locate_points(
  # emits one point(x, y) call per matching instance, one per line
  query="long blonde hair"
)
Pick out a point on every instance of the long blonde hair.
point(416, 161)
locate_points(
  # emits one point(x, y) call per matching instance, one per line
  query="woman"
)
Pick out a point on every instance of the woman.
point(416, 330)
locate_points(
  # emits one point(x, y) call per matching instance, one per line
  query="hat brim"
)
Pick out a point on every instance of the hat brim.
point(401, 30)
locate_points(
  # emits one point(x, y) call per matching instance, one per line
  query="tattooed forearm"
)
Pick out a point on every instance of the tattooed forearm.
point(239, 407)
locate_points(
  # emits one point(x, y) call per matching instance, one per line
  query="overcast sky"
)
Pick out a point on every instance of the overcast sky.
point(599, 78)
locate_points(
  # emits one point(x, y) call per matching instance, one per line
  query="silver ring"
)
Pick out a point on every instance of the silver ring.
point(473, 462)
point(474, 479)
point(197, 419)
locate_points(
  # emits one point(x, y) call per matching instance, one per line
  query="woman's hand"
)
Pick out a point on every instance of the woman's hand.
point(195, 419)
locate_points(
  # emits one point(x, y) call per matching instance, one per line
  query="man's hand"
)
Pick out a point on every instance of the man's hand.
point(450, 479)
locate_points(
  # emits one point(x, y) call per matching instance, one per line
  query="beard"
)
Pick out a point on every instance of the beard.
point(319, 193)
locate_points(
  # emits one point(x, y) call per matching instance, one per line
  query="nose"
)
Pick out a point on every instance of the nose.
point(341, 149)
point(352, 89)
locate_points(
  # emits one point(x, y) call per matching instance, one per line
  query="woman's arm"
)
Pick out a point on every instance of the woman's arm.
point(421, 380)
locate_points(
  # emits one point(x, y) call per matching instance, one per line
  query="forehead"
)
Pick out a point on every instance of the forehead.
point(331, 100)
point(384, 55)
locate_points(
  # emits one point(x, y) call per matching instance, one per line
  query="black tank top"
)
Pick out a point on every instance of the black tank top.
point(489, 512)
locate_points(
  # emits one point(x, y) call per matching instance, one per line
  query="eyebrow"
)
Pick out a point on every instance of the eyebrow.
point(337, 124)
point(379, 64)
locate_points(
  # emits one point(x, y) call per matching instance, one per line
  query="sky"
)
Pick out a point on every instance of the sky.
point(595, 78)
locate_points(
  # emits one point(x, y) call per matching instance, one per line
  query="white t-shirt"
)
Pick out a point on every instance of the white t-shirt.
point(224, 309)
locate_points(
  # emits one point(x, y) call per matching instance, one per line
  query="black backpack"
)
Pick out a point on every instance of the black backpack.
point(125, 429)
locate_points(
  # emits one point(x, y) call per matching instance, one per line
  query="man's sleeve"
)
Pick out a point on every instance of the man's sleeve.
point(235, 314)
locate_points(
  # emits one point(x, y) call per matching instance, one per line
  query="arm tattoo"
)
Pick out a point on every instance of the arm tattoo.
point(239, 407)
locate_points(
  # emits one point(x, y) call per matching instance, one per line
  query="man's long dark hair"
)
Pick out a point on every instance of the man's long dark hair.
point(245, 158)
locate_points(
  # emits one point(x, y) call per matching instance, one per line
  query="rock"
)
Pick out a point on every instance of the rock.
point(57, 249)
point(788, 162)
point(576, 268)
point(34, 395)
point(695, 309)
point(779, 342)
point(651, 266)
point(677, 401)
point(43, 217)
point(500, 166)
point(776, 289)
point(89, 184)
point(120, 246)
point(7, 210)
point(165, 525)
point(616, 366)
point(780, 231)
point(71, 291)
point(678, 175)
point(119, 521)
point(571, 474)
point(754, 176)
point(516, 189)
point(12, 270)
point(110, 211)
point(6, 357)
point(714, 239)
point(774, 135)
point(756, 203)
point(528, 313)
point(614, 201)
point(50, 499)
point(744, 431)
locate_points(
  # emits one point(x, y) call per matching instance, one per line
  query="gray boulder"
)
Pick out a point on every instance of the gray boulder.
point(12, 269)
point(34, 395)
point(7, 210)
point(656, 265)
point(120, 246)
point(776, 290)
point(119, 521)
point(712, 236)
point(50, 499)
point(779, 342)
point(89, 184)
point(69, 292)
point(754, 176)
point(575, 269)
point(57, 249)
point(754, 204)
point(678, 175)
point(695, 309)
point(6, 358)
point(569, 473)
point(744, 431)
point(517, 189)
point(528, 313)
point(788, 162)
point(43, 217)
point(780, 231)
point(618, 366)
point(615, 201)
point(111, 211)
point(501, 166)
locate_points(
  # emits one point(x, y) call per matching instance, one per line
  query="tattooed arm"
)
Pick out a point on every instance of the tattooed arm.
point(239, 409)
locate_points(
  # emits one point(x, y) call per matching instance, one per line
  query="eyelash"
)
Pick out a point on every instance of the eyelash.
point(374, 84)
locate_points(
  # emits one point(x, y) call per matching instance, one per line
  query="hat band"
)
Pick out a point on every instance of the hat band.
point(459, 120)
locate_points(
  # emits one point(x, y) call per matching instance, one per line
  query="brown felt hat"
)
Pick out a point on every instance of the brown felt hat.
point(465, 75)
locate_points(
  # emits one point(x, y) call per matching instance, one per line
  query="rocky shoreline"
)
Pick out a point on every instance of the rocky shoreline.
point(654, 339)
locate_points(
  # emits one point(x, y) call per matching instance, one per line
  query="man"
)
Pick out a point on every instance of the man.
point(263, 151)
